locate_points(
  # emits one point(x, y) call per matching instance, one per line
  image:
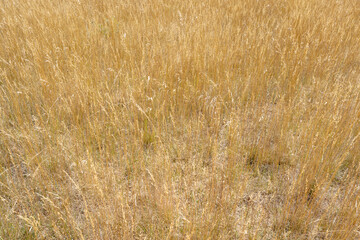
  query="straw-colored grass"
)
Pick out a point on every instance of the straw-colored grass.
point(179, 119)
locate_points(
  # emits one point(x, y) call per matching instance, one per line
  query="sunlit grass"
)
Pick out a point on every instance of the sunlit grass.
point(179, 119)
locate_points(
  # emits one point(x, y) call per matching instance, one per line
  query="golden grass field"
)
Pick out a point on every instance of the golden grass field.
point(179, 119)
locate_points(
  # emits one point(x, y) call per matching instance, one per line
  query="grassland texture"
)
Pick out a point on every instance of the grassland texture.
point(179, 119)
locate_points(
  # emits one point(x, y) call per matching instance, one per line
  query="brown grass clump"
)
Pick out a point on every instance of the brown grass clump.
point(179, 119)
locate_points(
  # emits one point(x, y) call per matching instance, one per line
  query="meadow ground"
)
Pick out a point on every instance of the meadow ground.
point(179, 119)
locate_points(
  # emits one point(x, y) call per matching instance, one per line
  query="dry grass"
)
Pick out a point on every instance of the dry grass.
point(179, 119)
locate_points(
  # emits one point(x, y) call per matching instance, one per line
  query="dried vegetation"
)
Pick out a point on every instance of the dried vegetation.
point(179, 119)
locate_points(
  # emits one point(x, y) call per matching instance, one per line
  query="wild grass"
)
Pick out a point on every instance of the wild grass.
point(179, 119)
